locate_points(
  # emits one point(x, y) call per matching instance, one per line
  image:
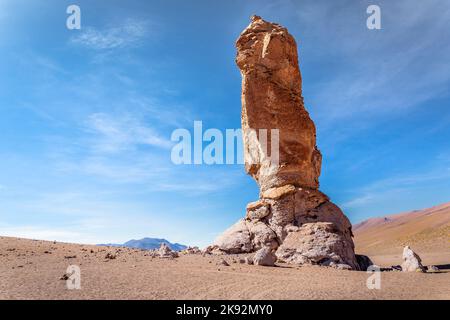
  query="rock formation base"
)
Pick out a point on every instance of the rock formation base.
point(302, 225)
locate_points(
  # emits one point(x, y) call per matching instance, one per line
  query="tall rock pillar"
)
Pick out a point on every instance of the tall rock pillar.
point(292, 216)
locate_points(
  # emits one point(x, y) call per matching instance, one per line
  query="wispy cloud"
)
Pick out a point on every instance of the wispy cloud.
point(387, 188)
point(115, 133)
point(195, 181)
point(128, 34)
point(359, 201)
point(376, 73)
point(115, 171)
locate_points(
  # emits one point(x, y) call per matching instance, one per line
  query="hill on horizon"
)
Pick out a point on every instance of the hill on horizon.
point(427, 231)
point(147, 244)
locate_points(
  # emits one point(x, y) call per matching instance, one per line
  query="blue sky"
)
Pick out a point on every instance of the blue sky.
point(86, 115)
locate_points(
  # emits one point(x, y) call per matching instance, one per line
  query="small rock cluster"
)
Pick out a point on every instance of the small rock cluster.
point(191, 250)
point(164, 251)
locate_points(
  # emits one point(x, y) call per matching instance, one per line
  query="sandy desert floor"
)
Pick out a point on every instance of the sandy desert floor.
point(31, 269)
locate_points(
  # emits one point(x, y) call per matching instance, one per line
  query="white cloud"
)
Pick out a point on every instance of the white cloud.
point(411, 180)
point(387, 188)
point(130, 33)
point(120, 133)
point(192, 182)
point(357, 202)
point(136, 168)
point(375, 73)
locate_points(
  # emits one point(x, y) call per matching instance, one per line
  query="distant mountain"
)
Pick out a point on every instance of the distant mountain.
point(147, 244)
point(425, 230)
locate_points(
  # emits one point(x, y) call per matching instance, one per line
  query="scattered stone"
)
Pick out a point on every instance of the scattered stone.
point(110, 256)
point(164, 251)
point(264, 257)
point(411, 261)
point(64, 277)
point(191, 250)
point(432, 269)
point(213, 249)
point(206, 251)
point(222, 262)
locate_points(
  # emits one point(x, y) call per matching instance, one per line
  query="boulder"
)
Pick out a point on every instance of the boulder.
point(222, 262)
point(110, 256)
point(343, 266)
point(207, 250)
point(432, 269)
point(396, 268)
point(164, 251)
point(264, 257)
point(235, 239)
point(364, 262)
point(191, 250)
point(317, 243)
point(411, 261)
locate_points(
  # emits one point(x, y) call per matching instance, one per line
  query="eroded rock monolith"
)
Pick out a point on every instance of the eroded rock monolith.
point(292, 216)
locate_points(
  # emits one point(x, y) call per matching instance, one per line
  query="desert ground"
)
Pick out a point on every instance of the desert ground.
point(34, 269)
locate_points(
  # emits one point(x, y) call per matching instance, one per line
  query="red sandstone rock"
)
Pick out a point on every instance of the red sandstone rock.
point(272, 99)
